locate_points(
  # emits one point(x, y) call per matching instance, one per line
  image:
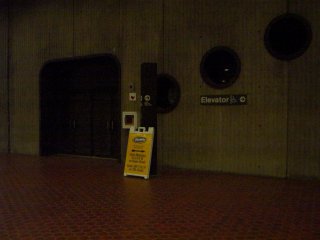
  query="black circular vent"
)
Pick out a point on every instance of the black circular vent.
point(220, 67)
point(168, 93)
point(288, 36)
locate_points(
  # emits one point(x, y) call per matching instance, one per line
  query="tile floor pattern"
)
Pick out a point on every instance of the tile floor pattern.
point(78, 198)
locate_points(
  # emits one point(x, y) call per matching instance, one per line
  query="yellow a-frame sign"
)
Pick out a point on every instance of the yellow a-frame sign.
point(139, 151)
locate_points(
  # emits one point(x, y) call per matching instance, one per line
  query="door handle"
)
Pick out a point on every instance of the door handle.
point(111, 125)
point(74, 124)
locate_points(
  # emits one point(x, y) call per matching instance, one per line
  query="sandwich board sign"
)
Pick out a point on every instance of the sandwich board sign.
point(139, 151)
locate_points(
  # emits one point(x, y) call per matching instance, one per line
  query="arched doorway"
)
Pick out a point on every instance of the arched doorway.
point(80, 106)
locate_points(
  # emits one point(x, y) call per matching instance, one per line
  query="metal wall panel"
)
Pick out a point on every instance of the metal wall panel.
point(304, 101)
point(39, 31)
point(242, 139)
point(3, 78)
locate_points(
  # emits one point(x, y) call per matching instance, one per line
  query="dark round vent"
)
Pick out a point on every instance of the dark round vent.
point(168, 93)
point(220, 67)
point(288, 36)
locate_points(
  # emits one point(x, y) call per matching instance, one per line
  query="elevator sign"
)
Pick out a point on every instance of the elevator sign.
point(239, 99)
point(139, 151)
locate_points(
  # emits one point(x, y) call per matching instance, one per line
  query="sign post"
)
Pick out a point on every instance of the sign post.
point(139, 152)
point(149, 106)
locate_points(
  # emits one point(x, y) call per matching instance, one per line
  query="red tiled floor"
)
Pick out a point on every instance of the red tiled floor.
point(79, 198)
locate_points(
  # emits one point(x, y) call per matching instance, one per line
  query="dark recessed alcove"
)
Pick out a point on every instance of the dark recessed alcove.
point(220, 67)
point(168, 93)
point(288, 36)
point(80, 106)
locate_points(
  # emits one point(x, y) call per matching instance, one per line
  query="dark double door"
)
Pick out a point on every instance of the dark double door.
point(80, 106)
point(88, 126)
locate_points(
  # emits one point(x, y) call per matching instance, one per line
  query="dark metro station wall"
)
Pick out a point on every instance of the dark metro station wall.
point(3, 77)
point(244, 139)
point(38, 31)
point(304, 102)
point(275, 134)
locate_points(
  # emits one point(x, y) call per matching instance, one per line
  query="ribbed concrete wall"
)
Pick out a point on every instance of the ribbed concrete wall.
point(4, 77)
point(275, 134)
point(244, 139)
point(39, 31)
point(304, 101)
